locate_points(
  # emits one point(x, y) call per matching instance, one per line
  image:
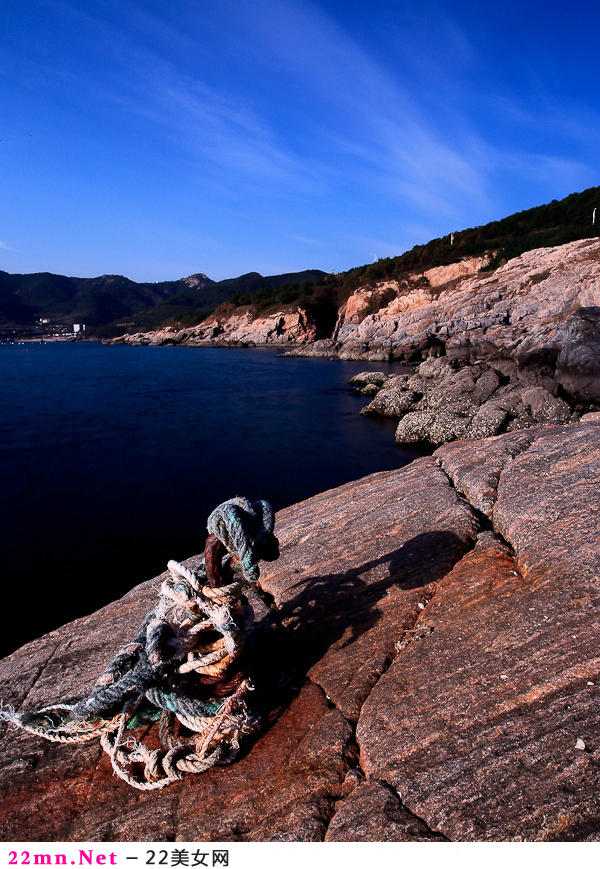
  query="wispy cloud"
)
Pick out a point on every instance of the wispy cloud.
point(398, 121)
point(432, 150)
point(4, 246)
point(304, 239)
point(225, 132)
point(375, 124)
point(376, 135)
point(287, 107)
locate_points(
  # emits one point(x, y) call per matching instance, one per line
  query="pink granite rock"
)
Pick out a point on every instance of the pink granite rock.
point(425, 656)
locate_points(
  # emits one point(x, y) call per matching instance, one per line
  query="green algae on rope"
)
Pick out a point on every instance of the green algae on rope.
point(184, 667)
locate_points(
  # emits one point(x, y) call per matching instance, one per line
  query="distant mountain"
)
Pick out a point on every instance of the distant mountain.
point(95, 301)
point(196, 296)
point(119, 301)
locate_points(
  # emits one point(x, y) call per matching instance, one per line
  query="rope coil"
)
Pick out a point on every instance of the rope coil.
point(183, 668)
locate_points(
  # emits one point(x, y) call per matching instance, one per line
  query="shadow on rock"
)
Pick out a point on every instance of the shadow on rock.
point(287, 642)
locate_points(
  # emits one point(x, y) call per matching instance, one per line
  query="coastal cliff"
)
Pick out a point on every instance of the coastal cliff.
point(240, 327)
point(515, 312)
point(496, 351)
point(429, 639)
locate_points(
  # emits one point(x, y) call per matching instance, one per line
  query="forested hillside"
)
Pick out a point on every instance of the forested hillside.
point(558, 222)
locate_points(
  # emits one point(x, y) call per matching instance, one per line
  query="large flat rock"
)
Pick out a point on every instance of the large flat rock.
point(426, 664)
point(476, 723)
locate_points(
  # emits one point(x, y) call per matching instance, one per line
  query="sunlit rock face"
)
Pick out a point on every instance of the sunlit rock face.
point(518, 312)
point(497, 352)
point(241, 328)
point(515, 311)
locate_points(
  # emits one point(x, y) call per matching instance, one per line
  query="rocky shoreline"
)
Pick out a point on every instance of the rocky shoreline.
point(497, 351)
point(445, 400)
point(239, 329)
point(429, 636)
point(503, 352)
point(430, 633)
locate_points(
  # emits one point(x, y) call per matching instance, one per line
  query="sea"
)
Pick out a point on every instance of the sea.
point(112, 457)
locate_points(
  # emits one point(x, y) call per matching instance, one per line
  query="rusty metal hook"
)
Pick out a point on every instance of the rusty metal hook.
point(214, 551)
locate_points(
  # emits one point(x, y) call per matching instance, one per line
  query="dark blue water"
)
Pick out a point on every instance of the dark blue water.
point(111, 458)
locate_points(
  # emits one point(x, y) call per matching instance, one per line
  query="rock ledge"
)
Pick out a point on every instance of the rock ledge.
point(432, 669)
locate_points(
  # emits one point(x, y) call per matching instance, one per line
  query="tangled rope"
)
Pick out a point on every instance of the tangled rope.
point(184, 668)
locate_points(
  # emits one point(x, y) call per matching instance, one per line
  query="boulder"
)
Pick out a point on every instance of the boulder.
point(368, 389)
point(433, 427)
point(391, 401)
point(445, 400)
point(487, 383)
point(489, 420)
point(365, 378)
point(578, 365)
point(544, 408)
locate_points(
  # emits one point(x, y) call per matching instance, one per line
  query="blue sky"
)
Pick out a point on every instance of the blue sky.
point(158, 139)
